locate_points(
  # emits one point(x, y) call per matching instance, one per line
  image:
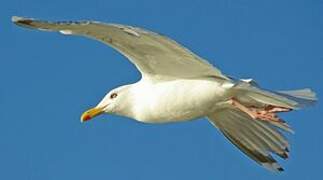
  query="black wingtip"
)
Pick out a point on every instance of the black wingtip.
point(287, 149)
point(280, 169)
point(283, 155)
point(21, 21)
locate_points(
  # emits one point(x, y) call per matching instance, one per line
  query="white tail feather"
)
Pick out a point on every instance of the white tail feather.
point(294, 99)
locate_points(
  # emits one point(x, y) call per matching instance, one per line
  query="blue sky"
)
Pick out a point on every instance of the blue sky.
point(48, 80)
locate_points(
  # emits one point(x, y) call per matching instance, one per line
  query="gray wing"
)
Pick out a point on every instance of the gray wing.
point(153, 54)
point(257, 139)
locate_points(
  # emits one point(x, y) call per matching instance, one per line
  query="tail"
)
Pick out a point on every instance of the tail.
point(252, 95)
point(260, 136)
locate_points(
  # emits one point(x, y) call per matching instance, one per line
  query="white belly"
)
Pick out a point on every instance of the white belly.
point(178, 100)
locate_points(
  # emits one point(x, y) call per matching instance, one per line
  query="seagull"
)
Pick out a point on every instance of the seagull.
point(177, 85)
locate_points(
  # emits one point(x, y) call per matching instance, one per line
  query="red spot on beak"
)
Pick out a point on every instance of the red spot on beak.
point(91, 113)
point(86, 118)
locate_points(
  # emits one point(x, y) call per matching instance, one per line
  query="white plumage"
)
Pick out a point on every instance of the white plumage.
point(178, 85)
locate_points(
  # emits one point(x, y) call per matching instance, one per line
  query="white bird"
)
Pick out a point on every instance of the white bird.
point(177, 85)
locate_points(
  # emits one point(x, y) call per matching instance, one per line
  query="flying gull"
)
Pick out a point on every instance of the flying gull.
point(177, 85)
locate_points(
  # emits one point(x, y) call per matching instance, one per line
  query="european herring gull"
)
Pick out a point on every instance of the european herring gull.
point(177, 85)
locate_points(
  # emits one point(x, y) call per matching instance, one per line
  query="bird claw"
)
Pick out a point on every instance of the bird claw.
point(266, 114)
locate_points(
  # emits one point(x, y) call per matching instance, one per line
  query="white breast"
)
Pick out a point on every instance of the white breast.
point(178, 100)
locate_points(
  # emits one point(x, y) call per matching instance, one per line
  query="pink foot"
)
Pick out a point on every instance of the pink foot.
point(266, 114)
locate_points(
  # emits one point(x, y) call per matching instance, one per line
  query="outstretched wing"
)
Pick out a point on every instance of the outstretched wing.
point(154, 55)
point(257, 139)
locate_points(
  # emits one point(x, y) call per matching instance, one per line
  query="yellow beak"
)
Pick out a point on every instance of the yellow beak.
point(91, 113)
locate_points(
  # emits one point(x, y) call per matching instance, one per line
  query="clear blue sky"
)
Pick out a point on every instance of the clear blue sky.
point(48, 80)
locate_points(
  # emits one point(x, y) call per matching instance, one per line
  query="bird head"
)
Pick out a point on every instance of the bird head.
point(113, 102)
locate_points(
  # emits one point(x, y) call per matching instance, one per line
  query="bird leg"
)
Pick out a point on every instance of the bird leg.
point(266, 114)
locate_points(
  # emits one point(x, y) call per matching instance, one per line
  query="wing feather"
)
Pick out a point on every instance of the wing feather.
point(155, 55)
point(255, 138)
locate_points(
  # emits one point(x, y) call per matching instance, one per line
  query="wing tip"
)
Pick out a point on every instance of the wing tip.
point(16, 18)
point(22, 21)
point(273, 166)
point(280, 169)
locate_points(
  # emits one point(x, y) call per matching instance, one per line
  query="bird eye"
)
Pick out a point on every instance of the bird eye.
point(113, 95)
